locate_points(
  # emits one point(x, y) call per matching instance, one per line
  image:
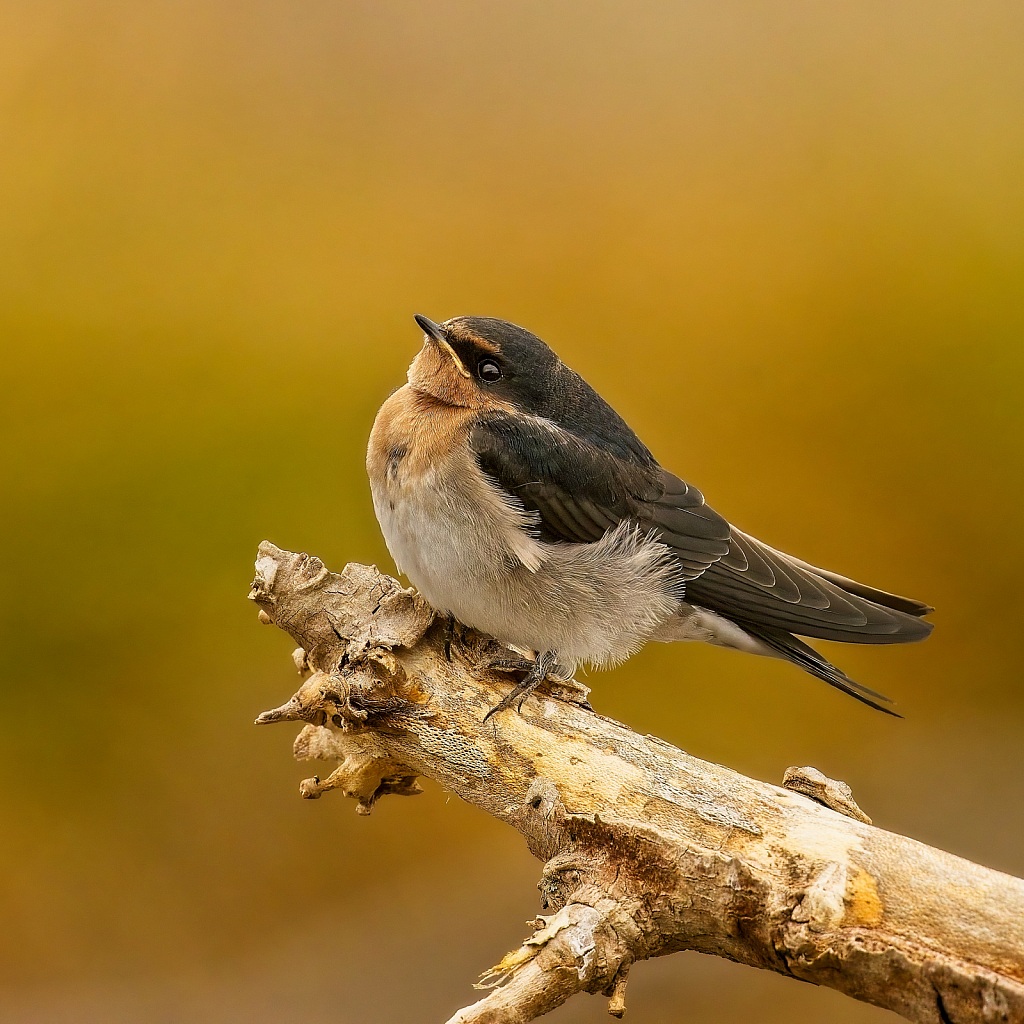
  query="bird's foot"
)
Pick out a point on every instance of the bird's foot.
point(546, 662)
point(454, 630)
point(449, 636)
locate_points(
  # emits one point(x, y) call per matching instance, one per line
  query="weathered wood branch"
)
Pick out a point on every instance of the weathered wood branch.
point(647, 850)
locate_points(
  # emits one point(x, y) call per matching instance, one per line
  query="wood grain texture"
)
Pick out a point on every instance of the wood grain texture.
point(647, 850)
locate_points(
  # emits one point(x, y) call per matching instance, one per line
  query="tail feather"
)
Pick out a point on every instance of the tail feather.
point(882, 597)
point(756, 583)
point(807, 658)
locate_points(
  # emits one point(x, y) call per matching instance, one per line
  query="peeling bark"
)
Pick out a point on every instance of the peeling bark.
point(647, 850)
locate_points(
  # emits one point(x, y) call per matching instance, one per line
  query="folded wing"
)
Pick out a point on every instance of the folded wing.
point(579, 490)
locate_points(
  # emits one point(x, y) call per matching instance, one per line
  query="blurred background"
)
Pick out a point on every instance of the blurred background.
point(785, 240)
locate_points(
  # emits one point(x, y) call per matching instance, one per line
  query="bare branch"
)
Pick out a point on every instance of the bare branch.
point(647, 850)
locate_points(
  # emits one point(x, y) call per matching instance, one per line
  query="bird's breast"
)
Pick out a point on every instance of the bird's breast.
point(448, 527)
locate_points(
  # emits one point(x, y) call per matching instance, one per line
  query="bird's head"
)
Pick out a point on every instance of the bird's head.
point(480, 362)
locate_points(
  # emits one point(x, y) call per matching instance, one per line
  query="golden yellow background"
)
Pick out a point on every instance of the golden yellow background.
point(784, 239)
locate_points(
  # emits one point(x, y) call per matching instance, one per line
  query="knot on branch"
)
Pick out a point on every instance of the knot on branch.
point(818, 786)
point(354, 678)
point(340, 619)
point(366, 773)
point(818, 915)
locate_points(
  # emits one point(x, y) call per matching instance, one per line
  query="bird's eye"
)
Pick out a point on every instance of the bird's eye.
point(488, 370)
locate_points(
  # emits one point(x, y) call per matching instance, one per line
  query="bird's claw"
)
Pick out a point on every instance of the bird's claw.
point(544, 663)
point(449, 635)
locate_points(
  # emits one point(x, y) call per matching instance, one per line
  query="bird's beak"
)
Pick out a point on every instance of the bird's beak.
point(435, 333)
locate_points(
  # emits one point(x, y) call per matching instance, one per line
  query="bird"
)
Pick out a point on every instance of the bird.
point(520, 504)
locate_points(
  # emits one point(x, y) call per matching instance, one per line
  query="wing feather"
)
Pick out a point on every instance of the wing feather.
point(579, 490)
point(823, 608)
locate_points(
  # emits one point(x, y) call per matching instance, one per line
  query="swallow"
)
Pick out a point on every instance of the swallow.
point(519, 503)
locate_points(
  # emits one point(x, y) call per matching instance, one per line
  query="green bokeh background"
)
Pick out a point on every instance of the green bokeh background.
point(784, 239)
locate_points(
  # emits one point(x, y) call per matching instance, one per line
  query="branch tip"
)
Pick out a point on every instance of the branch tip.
point(617, 993)
point(290, 712)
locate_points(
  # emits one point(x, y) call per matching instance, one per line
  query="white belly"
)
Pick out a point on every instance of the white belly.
point(467, 549)
point(453, 540)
